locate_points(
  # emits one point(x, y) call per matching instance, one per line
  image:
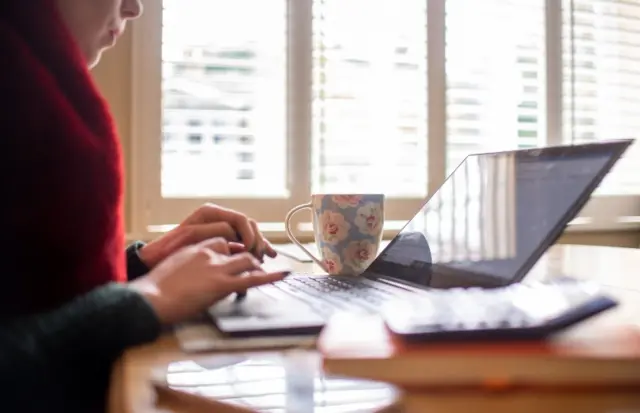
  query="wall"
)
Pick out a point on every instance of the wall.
point(113, 76)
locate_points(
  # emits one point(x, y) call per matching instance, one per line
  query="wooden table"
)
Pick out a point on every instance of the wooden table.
point(617, 269)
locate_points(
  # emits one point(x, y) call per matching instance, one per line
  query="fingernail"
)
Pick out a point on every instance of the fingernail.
point(286, 274)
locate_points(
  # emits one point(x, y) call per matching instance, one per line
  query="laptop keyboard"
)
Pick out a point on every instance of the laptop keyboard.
point(329, 294)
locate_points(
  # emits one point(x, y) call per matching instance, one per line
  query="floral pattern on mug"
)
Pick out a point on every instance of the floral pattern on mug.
point(369, 219)
point(359, 254)
point(347, 201)
point(331, 261)
point(334, 227)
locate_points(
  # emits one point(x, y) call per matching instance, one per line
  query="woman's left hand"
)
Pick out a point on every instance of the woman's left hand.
point(209, 221)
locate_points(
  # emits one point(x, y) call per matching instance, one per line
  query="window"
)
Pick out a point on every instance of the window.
point(194, 138)
point(245, 157)
point(601, 73)
point(369, 89)
point(295, 97)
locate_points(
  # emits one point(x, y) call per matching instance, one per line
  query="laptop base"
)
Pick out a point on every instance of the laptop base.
point(260, 314)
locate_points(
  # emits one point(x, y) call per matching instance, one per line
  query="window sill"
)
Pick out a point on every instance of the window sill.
point(620, 224)
point(275, 231)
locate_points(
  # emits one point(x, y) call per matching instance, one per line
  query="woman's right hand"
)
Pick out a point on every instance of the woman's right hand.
point(189, 281)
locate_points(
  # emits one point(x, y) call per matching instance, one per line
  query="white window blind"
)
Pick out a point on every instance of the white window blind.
point(601, 73)
point(370, 97)
point(495, 65)
point(224, 98)
point(256, 104)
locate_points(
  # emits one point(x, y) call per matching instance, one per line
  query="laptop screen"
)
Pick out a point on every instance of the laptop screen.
point(495, 216)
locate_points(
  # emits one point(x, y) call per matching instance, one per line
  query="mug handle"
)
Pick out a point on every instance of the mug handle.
point(287, 227)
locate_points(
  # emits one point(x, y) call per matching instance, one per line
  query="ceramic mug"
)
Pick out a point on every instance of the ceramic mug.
point(347, 231)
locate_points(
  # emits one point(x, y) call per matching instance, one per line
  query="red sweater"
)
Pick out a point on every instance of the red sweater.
point(61, 223)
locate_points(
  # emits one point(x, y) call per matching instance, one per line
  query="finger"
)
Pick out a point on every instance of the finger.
point(259, 244)
point(272, 253)
point(255, 279)
point(210, 213)
point(204, 214)
point(236, 248)
point(243, 228)
point(240, 263)
point(195, 234)
point(219, 245)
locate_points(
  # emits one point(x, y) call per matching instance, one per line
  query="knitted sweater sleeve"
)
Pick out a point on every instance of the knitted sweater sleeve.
point(135, 267)
point(61, 360)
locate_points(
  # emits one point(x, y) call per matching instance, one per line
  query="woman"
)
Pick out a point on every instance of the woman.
point(71, 302)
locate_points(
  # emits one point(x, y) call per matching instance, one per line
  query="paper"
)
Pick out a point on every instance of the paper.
point(200, 337)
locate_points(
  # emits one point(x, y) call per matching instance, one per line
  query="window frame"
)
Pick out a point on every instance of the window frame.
point(150, 213)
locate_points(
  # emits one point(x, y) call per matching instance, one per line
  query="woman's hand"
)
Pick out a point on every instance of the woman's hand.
point(191, 280)
point(207, 222)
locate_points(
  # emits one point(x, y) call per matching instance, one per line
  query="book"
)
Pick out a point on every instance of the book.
point(523, 402)
point(361, 346)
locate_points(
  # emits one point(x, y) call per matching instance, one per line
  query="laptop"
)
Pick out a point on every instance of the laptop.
point(486, 226)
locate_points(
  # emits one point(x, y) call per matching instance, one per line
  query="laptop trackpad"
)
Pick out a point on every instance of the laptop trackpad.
point(260, 314)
